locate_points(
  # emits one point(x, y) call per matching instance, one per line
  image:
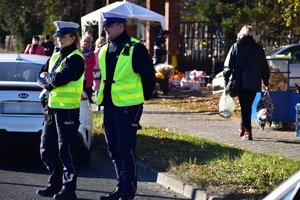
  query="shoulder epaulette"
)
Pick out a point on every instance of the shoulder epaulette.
point(103, 44)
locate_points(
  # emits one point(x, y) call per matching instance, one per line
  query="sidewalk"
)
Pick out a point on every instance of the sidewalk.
point(216, 128)
point(212, 126)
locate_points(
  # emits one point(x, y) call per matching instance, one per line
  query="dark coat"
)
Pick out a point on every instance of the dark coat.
point(255, 69)
point(72, 70)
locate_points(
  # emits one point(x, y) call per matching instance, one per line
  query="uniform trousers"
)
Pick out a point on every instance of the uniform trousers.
point(58, 148)
point(120, 125)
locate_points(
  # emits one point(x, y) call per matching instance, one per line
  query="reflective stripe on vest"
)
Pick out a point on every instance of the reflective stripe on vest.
point(66, 96)
point(127, 88)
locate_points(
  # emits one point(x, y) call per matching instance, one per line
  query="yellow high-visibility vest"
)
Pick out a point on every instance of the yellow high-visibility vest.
point(127, 88)
point(66, 96)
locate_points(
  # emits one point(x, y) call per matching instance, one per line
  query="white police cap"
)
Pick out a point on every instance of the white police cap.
point(63, 27)
point(110, 18)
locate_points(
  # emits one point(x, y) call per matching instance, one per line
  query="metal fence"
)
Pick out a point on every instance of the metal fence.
point(269, 43)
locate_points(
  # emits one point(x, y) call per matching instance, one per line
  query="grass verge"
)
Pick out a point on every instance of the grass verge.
point(205, 164)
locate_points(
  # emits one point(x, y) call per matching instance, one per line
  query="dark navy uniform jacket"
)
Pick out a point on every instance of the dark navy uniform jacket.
point(141, 63)
point(72, 70)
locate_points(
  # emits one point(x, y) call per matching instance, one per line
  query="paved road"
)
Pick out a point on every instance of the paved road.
point(212, 126)
point(22, 173)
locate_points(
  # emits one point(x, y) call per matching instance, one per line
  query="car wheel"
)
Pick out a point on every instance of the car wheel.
point(84, 155)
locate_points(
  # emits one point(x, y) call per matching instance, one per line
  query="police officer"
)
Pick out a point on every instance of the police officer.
point(62, 81)
point(128, 78)
point(160, 56)
point(160, 51)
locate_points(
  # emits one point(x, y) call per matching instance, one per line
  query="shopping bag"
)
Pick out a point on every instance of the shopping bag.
point(226, 105)
point(265, 110)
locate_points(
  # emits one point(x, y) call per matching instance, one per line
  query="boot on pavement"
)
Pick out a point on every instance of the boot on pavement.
point(126, 197)
point(114, 195)
point(248, 134)
point(65, 195)
point(48, 192)
point(242, 130)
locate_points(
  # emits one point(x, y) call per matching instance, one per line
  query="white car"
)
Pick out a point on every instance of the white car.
point(21, 111)
point(218, 83)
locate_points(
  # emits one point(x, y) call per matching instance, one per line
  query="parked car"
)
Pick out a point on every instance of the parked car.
point(288, 190)
point(21, 111)
point(292, 51)
point(218, 83)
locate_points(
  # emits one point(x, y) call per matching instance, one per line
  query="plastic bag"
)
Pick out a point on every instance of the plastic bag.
point(226, 105)
point(265, 110)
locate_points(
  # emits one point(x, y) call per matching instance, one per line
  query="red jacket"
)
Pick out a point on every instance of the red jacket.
point(90, 63)
point(39, 50)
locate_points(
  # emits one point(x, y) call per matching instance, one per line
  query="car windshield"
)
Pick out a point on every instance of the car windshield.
point(18, 71)
point(273, 52)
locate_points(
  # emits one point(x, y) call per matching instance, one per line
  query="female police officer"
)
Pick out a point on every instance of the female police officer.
point(62, 80)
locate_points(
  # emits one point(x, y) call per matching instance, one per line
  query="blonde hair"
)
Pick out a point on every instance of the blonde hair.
point(77, 40)
point(85, 37)
point(246, 31)
point(99, 40)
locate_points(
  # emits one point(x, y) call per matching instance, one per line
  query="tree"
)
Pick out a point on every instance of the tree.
point(291, 11)
point(23, 19)
point(231, 15)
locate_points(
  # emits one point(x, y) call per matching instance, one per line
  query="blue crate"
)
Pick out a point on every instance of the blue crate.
point(297, 107)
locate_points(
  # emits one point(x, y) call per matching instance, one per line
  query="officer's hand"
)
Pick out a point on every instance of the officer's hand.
point(42, 75)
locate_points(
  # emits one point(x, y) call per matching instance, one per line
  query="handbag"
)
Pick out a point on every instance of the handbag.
point(96, 74)
point(233, 88)
point(234, 85)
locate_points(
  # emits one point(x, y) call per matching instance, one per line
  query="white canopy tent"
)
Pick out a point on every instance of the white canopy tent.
point(133, 13)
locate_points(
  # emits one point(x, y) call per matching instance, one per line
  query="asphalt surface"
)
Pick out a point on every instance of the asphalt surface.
point(271, 140)
point(22, 173)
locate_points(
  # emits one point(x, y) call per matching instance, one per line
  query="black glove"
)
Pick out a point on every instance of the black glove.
point(48, 114)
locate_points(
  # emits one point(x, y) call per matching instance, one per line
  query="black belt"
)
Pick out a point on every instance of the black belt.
point(109, 82)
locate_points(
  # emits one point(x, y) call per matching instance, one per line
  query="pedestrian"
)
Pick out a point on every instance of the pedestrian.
point(127, 79)
point(90, 34)
point(96, 71)
point(62, 81)
point(160, 56)
point(160, 51)
point(35, 47)
point(48, 45)
point(89, 57)
point(247, 57)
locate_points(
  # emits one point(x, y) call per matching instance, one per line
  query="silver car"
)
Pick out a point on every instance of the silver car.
point(21, 111)
point(292, 51)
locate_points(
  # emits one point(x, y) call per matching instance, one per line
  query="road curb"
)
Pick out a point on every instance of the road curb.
point(171, 182)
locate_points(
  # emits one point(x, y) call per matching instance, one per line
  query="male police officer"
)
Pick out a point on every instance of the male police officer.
point(128, 78)
point(160, 51)
point(62, 80)
point(160, 56)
